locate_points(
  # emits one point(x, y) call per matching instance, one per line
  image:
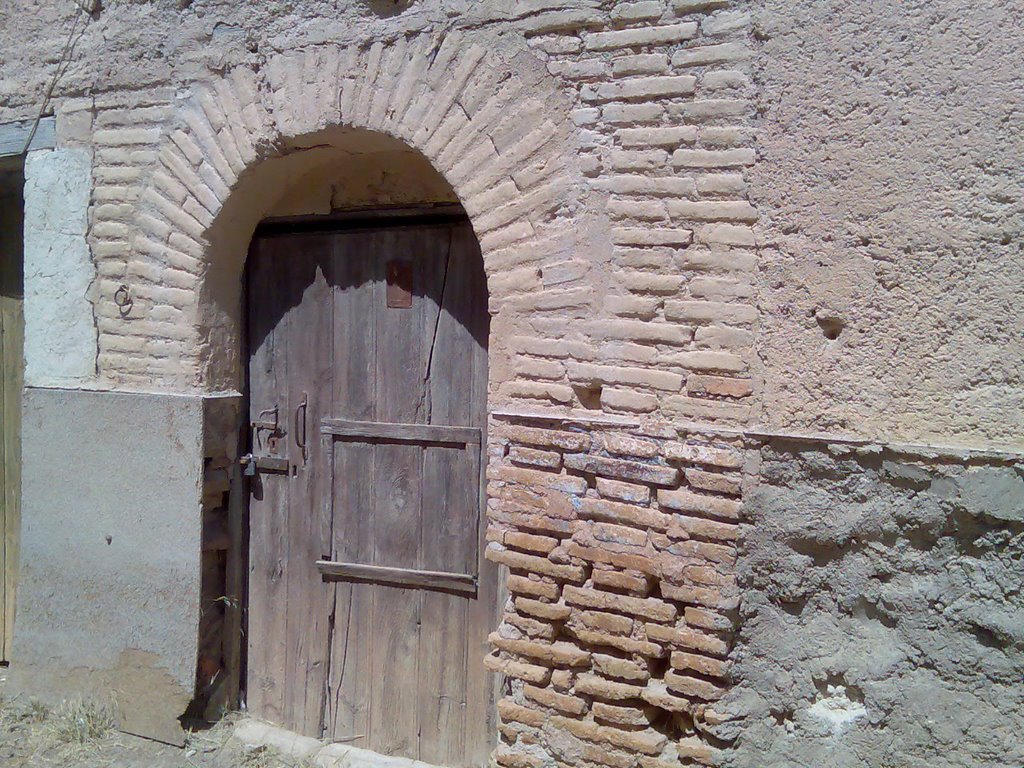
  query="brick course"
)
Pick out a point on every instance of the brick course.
point(640, 627)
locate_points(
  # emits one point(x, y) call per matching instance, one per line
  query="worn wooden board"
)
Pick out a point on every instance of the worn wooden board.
point(309, 349)
point(404, 433)
point(397, 502)
point(266, 693)
point(449, 511)
point(397, 577)
point(482, 686)
point(12, 369)
point(14, 135)
point(354, 387)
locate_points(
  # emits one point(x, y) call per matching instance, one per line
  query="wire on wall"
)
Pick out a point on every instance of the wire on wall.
point(82, 7)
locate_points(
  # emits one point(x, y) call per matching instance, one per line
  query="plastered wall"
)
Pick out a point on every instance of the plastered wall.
point(882, 609)
point(890, 189)
point(878, 586)
point(108, 594)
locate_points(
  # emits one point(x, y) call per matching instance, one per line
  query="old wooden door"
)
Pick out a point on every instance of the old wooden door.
point(370, 600)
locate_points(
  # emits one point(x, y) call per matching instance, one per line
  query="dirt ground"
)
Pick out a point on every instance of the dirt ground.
point(80, 734)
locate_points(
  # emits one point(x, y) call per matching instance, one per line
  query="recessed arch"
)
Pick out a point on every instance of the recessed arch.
point(491, 135)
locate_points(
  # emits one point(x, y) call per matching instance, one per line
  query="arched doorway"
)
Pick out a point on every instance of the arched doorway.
point(367, 326)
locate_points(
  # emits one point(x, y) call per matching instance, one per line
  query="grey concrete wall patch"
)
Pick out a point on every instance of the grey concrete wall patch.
point(109, 596)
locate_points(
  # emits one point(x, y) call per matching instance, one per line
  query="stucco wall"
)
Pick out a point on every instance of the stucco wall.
point(881, 587)
point(891, 191)
point(60, 329)
point(108, 597)
point(883, 618)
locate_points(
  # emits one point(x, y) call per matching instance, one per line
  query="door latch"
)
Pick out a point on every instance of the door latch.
point(269, 464)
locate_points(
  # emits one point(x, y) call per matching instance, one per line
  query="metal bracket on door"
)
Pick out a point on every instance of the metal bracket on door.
point(260, 424)
point(270, 464)
point(253, 463)
point(268, 424)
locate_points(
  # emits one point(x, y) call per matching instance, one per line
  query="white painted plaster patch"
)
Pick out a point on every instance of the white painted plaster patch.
point(837, 709)
point(60, 334)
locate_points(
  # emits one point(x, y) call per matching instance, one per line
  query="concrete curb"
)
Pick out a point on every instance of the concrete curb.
point(254, 733)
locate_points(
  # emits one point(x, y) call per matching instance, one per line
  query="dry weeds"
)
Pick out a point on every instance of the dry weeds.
point(81, 734)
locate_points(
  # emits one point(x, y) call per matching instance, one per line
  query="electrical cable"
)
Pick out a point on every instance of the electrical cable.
point(61, 67)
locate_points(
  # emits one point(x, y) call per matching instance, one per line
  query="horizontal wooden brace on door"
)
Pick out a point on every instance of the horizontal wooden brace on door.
point(399, 577)
point(402, 433)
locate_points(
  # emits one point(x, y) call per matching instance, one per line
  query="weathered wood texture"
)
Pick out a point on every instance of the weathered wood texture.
point(403, 433)
point(398, 577)
point(11, 381)
point(391, 485)
point(13, 136)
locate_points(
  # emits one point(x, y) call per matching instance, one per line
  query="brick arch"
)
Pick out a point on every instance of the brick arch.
point(492, 136)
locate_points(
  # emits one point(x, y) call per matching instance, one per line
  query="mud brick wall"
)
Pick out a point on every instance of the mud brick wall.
point(620, 544)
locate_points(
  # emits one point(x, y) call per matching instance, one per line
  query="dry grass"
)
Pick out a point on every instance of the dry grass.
point(267, 757)
point(14, 714)
point(81, 734)
point(77, 722)
point(70, 730)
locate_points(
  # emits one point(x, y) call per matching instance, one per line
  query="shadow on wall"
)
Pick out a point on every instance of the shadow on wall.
point(884, 611)
point(334, 169)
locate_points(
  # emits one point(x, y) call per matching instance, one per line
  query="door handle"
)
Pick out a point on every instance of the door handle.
point(300, 432)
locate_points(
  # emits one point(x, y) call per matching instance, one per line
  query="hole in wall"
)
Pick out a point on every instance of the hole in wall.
point(589, 396)
point(831, 326)
point(387, 8)
point(783, 716)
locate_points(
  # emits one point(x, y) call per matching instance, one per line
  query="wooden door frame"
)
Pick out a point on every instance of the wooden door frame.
point(12, 368)
point(338, 221)
point(17, 139)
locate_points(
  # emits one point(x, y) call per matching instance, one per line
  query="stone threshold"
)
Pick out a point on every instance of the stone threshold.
point(254, 733)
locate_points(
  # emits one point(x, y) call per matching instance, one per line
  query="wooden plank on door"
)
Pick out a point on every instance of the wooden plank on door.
point(449, 513)
point(268, 508)
point(400, 334)
point(353, 477)
point(402, 433)
point(482, 686)
point(309, 351)
point(413, 578)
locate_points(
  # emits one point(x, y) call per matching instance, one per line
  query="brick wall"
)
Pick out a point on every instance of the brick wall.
point(619, 539)
point(600, 154)
point(663, 106)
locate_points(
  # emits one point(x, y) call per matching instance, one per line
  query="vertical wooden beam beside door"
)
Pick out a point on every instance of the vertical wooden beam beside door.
point(12, 376)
